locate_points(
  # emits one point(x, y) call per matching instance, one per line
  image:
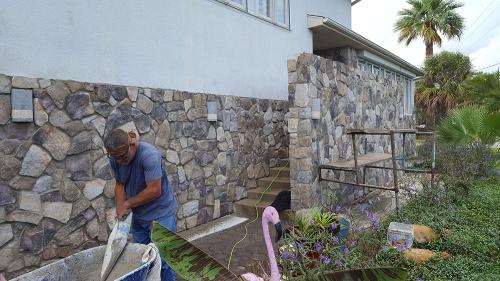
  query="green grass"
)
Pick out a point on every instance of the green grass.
point(474, 240)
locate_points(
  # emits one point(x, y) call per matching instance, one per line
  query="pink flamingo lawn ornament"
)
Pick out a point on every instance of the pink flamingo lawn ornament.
point(270, 215)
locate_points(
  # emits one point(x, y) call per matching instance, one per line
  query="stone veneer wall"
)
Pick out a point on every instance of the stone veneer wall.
point(350, 98)
point(56, 189)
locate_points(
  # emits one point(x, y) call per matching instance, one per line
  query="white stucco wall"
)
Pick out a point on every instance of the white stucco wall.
point(190, 45)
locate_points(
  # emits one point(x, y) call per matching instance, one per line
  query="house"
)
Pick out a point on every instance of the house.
point(224, 88)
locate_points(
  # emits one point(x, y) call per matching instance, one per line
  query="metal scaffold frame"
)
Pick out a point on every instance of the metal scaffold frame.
point(367, 160)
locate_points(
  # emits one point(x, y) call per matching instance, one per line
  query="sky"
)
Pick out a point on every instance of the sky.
point(480, 40)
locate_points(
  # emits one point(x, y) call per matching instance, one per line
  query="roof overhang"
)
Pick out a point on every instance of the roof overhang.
point(328, 34)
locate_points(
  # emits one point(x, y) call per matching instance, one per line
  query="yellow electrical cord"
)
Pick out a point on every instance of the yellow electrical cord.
point(256, 217)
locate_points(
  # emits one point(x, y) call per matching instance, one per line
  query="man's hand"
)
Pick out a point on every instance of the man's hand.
point(122, 210)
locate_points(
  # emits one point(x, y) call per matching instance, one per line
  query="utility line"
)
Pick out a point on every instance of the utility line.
point(487, 32)
point(478, 17)
point(481, 21)
point(489, 66)
point(468, 48)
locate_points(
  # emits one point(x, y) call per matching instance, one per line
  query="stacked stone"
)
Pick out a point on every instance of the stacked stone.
point(56, 187)
point(349, 98)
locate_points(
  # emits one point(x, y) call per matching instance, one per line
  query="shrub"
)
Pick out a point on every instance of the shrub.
point(460, 165)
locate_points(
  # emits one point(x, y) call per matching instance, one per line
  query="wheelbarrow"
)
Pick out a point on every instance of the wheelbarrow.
point(137, 263)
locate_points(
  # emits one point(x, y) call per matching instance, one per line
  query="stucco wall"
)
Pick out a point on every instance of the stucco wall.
point(56, 189)
point(193, 45)
point(350, 98)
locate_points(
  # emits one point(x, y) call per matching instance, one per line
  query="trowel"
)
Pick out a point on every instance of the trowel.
point(116, 243)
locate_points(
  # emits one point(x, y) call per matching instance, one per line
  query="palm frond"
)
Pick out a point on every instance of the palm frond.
point(470, 124)
point(187, 260)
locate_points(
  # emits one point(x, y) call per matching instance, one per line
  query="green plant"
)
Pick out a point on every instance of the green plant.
point(460, 165)
point(442, 86)
point(188, 261)
point(470, 124)
point(325, 220)
point(483, 89)
point(326, 246)
point(427, 19)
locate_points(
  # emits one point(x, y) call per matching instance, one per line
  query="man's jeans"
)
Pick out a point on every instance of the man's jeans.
point(141, 230)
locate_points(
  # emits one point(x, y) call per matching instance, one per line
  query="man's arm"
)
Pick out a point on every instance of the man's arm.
point(150, 193)
point(120, 198)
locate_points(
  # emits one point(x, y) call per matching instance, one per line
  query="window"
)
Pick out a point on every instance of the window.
point(238, 3)
point(388, 74)
point(361, 65)
point(408, 96)
point(281, 12)
point(369, 68)
point(264, 8)
point(274, 11)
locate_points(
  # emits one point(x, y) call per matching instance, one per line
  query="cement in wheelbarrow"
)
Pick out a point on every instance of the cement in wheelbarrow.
point(86, 266)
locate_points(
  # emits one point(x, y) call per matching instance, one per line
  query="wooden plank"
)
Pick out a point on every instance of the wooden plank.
point(379, 131)
point(365, 159)
point(368, 131)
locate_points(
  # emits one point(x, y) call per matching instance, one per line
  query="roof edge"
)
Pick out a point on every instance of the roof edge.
point(370, 46)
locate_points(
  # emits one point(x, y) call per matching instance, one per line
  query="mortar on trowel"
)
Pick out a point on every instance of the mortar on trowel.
point(117, 242)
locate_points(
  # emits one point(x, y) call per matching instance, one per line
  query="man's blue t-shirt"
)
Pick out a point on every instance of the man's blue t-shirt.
point(147, 165)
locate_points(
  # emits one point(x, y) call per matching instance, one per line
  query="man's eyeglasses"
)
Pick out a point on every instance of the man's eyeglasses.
point(120, 157)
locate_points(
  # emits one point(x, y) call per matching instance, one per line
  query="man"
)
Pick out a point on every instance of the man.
point(141, 186)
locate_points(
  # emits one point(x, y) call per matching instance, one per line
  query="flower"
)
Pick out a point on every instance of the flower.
point(338, 262)
point(359, 230)
point(294, 258)
point(360, 208)
point(334, 226)
point(354, 243)
point(346, 250)
point(285, 255)
point(318, 247)
point(401, 247)
point(420, 279)
point(337, 209)
point(327, 260)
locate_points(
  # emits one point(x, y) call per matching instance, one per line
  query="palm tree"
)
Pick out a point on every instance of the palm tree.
point(427, 19)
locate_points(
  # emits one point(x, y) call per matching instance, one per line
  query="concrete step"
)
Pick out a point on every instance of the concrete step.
point(278, 183)
point(269, 195)
point(283, 172)
point(246, 208)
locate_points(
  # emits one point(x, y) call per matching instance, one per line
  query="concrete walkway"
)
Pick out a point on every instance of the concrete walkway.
point(219, 244)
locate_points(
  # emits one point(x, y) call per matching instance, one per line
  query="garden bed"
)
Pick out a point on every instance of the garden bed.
point(461, 209)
